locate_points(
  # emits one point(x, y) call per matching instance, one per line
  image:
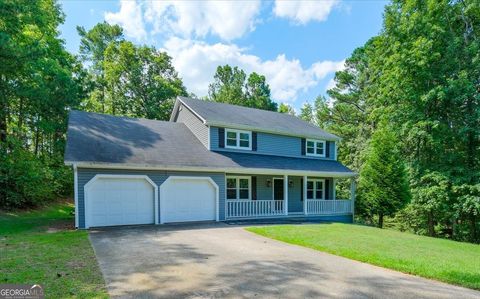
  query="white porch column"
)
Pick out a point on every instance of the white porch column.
point(352, 196)
point(285, 193)
point(305, 206)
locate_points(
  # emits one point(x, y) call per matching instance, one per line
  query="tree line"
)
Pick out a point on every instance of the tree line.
point(406, 105)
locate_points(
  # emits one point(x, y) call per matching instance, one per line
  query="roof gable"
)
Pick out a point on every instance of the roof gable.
point(239, 117)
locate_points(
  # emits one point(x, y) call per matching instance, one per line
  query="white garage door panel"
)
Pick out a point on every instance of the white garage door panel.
point(188, 200)
point(119, 201)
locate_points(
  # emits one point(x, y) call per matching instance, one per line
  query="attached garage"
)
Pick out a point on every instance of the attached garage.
point(184, 199)
point(120, 200)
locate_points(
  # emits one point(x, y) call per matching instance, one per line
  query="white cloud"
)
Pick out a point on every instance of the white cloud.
point(303, 12)
point(226, 19)
point(197, 61)
point(130, 18)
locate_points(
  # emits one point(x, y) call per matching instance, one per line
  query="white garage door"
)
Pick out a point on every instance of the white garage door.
point(187, 199)
point(120, 201)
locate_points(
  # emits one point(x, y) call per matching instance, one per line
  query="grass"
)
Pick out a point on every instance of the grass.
point(41, 247)
point(444, 260)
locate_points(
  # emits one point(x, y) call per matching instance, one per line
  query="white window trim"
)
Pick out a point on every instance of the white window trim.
point(315, 189)
point(315, 141)
point(237, 187)
point(237, 132)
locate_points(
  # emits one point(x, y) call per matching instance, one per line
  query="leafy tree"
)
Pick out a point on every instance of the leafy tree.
point(285, 108)
point(431, 195)
point(39, 81)
point(93, 44)
point(228, 86)
point(306, 113)
point(257, 93)
point(420, 75)
point(349, 114)
point(467, 206)
point(232, 86)
point(141, 81)
point(383, 185)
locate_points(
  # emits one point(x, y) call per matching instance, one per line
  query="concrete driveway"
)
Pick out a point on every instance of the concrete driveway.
point(222, 261)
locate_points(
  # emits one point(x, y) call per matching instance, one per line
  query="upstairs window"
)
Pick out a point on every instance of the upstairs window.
point(238, 187)
point(238, 139)
point(315, 148)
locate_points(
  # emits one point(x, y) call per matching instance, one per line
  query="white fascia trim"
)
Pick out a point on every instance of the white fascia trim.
point(209, 146)
point(88, 185)
point(232, 170)
point(193, 111)
point(256, 129)
point(204, 178)
point(75, 192)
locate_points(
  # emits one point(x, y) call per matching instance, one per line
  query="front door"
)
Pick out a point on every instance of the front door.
point(278, 194)
point(278, 189)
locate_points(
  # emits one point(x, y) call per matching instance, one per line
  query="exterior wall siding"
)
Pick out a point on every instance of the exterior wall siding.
point(195, 125)
point(158, 177)
point(271, 144)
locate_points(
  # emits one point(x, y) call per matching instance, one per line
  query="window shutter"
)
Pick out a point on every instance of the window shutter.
point(254, 141)
point(327, 150)
point(301, 189)
point(254, 188)
point(327, 186)
point(221, 137)
point(304, 141)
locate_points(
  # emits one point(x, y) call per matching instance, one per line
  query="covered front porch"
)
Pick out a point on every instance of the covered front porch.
point(275, 196)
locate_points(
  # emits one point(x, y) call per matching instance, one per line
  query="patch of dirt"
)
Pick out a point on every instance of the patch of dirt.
point(59, 226)
point(76, 264)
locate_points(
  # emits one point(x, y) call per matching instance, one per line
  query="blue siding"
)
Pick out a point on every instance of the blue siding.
point(198, 128)
point(271, 144)
point(158, 177)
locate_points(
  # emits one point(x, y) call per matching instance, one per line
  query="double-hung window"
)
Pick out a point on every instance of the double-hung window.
point(315, 189)
point(315, 148)
point(238, 187)
point(238, 139)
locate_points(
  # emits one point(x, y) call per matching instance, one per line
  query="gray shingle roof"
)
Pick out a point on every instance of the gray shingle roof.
point(105, 139)
point(220, 114)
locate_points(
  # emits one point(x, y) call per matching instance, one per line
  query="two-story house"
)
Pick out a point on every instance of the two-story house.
point(210, 162)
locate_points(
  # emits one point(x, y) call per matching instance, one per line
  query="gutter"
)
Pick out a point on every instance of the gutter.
point(236, 170)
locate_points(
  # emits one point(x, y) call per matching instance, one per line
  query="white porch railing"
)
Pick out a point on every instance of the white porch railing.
point(254, 208)
point(320, 206)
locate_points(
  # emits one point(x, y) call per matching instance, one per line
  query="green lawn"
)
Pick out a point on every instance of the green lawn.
point(41, 247)
point(444, 260)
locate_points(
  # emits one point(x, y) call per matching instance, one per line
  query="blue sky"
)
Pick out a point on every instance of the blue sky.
point(297, 45)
